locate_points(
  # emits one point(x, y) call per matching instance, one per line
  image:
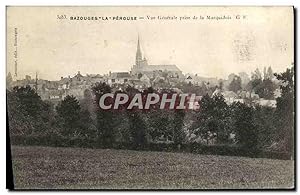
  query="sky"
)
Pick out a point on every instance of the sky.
point(254, 37)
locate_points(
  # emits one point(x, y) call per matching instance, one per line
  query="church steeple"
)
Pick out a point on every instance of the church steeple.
point(138, 56)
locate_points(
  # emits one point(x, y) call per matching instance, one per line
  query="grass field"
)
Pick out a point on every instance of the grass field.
point(65, 168)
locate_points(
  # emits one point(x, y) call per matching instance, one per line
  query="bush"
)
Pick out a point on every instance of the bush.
point(196, 148)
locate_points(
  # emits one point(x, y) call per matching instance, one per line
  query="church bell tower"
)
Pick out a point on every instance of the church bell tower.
point(139, 61)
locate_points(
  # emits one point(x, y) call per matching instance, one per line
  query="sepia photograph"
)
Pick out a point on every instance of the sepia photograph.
point(150, 97)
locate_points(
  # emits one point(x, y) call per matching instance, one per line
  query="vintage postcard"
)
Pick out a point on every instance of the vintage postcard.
point(150, 97)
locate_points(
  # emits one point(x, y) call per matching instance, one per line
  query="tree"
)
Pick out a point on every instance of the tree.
point(160, 123)
point(137, 124)
point(27, 113)
point(137, 128)
point(236, 84)
point(87, 127)
point(30, 101)
point(221, 84)
point(245, 79)
point(178, 121)
point(223, 118)
point(265, 125)
point(254, 85)
point(265, 73)
point(256, 75)
point(214, 119)
point(244, 126)
point(20, 123)
point(166, 123)
point(265, 89)
point(270, 74)
point(105, 118)
point(69, 111)
point(88, 103)
point(285, 109)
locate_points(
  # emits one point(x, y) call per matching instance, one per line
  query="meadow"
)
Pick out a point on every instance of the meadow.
point(36, 167)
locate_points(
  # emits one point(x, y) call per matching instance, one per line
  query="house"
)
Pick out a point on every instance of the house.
point(118, 78)
point(96, 78)
point(198, 81)
point(267, 103)
point(189, 80)
point(145, 80)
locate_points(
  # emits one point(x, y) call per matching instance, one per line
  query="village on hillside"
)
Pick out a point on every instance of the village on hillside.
point(237, 88)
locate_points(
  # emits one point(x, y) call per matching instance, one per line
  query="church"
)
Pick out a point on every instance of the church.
point(142, 67)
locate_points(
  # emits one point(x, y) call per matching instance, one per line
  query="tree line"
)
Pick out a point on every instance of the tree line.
point(248, 126)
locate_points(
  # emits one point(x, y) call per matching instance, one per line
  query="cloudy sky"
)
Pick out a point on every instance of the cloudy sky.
point(215, 48)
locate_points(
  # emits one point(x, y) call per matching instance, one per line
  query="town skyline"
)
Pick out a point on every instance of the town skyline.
point(60, 48)
point(39, 75)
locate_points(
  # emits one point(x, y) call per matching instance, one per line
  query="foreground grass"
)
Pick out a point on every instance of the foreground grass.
point(73, 168)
